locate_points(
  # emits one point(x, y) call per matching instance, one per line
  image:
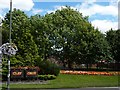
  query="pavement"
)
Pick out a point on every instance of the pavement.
point(88, 88)
point(91, 88)
point(44, 82)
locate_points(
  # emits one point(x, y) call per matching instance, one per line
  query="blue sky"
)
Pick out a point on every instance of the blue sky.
point(102, 15)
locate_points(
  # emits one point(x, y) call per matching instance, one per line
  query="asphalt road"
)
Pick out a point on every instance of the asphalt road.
point(99, 88)
point(91, 88)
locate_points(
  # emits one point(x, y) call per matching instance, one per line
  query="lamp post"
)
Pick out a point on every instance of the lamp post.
point(0, 31)
point(10, 20)
point(8, 82)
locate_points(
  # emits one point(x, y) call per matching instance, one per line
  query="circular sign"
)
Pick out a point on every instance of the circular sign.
point(9, 49)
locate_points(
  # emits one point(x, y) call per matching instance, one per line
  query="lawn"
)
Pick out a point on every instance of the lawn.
point(74, 81)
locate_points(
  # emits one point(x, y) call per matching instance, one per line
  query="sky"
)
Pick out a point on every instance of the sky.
point(103, 14)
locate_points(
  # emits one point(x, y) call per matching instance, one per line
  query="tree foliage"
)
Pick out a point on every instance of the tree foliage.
point(113, 37)
point(65, 34)
point(21, 36)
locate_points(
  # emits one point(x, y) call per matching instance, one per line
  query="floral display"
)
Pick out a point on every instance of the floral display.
point(88, 72)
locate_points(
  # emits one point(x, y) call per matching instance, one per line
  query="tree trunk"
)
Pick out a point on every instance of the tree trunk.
point(69, 65)
point(87, 66)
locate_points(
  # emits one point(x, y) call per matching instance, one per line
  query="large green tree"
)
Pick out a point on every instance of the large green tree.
point(65, 34)
point(113, 37)
point(41, 33)
point(21, 36)
point(73, 37)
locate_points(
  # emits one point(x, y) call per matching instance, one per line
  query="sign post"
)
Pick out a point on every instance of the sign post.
point(10, 43)
point(8, 82)
point(9, 48)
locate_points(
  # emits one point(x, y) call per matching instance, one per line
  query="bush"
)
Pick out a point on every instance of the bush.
point(46, 67)
point(46, 77)
point(4, 74)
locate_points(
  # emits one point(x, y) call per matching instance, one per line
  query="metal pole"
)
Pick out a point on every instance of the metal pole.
point(8, 82)
point(0, 51)
point(10, 20)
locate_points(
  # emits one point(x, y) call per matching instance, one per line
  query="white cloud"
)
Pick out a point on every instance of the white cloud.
point(25, 5)
point(19, 4)
point(50, 11)
point(4, 4)
point(114, 2)
point(55, 9)
point(105, 25)
point(89, 1)
point(89, 9)
point(59, 7)
point(36, 11)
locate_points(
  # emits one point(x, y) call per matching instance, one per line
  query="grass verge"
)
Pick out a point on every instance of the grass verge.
point(73, 81)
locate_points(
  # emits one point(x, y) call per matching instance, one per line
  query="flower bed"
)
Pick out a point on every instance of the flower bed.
point(88, 73)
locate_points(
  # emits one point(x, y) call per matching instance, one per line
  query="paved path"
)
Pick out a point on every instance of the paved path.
point(44, 82)
point(91, 88)
point(27, 82)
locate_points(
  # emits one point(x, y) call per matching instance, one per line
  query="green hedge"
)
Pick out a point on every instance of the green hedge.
point(46, 77)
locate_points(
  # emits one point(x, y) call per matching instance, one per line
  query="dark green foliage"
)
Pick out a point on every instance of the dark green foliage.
point(113, 38)
point(22, 37)
point(74, 39)
point(46, 67)
point(65, 34)
point(4, 74)
point(4, 68)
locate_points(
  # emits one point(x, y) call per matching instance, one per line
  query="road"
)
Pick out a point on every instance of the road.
point(91, 88)
point(99, 88)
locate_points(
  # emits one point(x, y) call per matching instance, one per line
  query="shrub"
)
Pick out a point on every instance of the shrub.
point(46, 77)
point(4, 74)
point(46, 67)
point(54, 69)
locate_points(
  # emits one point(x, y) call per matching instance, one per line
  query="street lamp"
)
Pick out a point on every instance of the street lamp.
point(8, 49)
point(8, 82)
point(10, 20)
